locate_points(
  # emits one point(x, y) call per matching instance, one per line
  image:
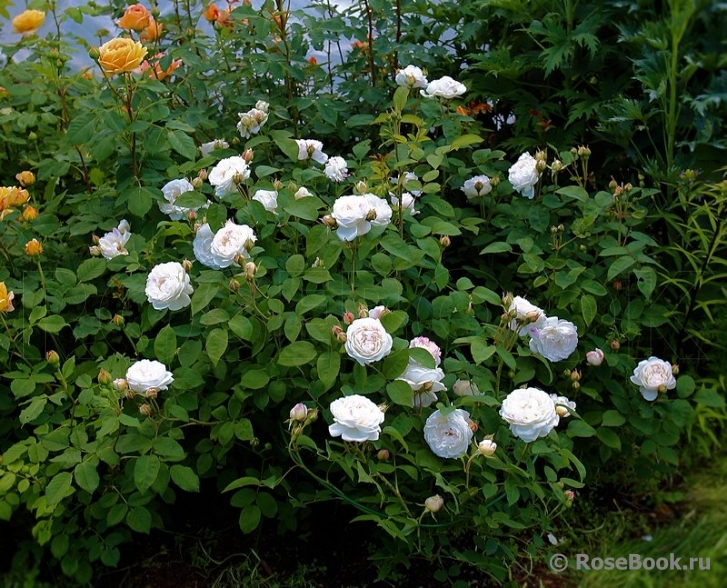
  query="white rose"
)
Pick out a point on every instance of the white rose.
point(229, 242)
point(367, 340)
point(477, 186)
point(530, 413)
point(172, 191)
point(268, 198)
point(355, 418)
point(528, 316)
point(202, 246)
point(311, 149)
point(351, 214)
point(380, 207)
point(113, 244)
point(408, 177)
point(168, 286)
point(336, 169)
point(487, 447)
point(562, 404)
point(302, 193)
point(555, 340)
point(449, 436)
point(145, 374)
point(465, 388)
point(425, 382)
point(595, 357)
point(407, 202)
point(377, 312)
point(251, 121)
point(652, 376)
point(225, 175)
point(523, 175)
point(411, 77)
point(206, 148)
point(445, 87)
point(429, 345)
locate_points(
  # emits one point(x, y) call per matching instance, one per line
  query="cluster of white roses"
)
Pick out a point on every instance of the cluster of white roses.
point(224, 248)
point(553, 338)
point(112, 244)
point(413, 77)
point(252, 121)
point(355, 215)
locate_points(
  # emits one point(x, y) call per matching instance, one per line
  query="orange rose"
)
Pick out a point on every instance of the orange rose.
point(26, 178)
point(30, 213)
point(136, 18)
point(33, 248)
point(212, 12)
point(6, 298)
point(12, 197)
point(156, 70)
point(28, 21)
point(152, 32)
point(120, 55)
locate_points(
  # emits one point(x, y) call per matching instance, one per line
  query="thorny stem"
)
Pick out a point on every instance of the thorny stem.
point(370, 18)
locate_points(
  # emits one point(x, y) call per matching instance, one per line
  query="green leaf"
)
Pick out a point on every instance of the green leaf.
point(646, 280)
point(57, 488)
point(82, 128)
point(254, 379)
point(619, 265)
point(422, 357)
point(708, 397)
point(609, 438)
point(589, 308)
point(33, 410)
point(116, 514)
point(139, 519)
point(612, 418)
point(580, 429)
point(328, 366)
point(168, 448)
point(464, 141)
point(400, 97)
point(242, 327)
point(393, 320)
point(395, 364)
point(165, 345)
point(497, 247)
point(481, 351)
point(203, 295)
point(216, 345)
point(308, 303)
point(139, 200)
point(182, 144)
point(146, 470)
point(400, 393)
point(185, 477)
point(298, 353)
point(575, 192)
point(52, 324)
point(86, 475)
point(90, 269)
point(250, 518)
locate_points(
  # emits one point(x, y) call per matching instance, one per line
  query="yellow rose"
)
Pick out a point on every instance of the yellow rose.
point(136, 18)
point(26, 178)
point(28, 21)
point(120, 55)
point(12, 197)
point(6, 298)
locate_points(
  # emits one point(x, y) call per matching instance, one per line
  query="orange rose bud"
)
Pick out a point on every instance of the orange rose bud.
point(156, 70)
point(26, 178)
point(136, 18)
point(30, 213)
point(211, 14)
point(33, 248)
point(152, 32)
point(312, 60)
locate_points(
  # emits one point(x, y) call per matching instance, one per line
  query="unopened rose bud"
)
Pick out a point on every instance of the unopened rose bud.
point(187, 265)
point(561, 228)
point(575, 386)
point(250, 269)
point(465, 388)
point(573, 151)
point(278, 185)
point(348, 317)
point(661, 389)
point(371, 216)
point(612, 185)
point(53, 358)
point(628, 187)
point(299, 412)
point(329, 221)
point(341, 337)
point(562, 411)
point(298, 431)
point(595, 357)
point(104, 377)
point(129, 393)
point(584, 152)
point(383, 454)
point(615, 345)
point(541, 166)
point(30, 213)
point(202, 174)
point(120, 384)
point(495, 181)
point(556, 166)
point(473, 426)
point(361, 187)
point(336, 330)
point(238, 178)
point(247, 155)
point(118, 320)
point(32, 136)
point(192, 215)
point(570, 496)
point(575, 375)
point(234, 285)
point(152, 393)
point(541, 155)
point(33, 248)
point(145, 409)
point(487, 447)
point(363, 312)
point(312, 416)
point(553, 229)
point(93, 53)
point(197, 182)
point(674, 369)
point(25, 178)
point(249, 244)
point(434, 503)
point(445, 241)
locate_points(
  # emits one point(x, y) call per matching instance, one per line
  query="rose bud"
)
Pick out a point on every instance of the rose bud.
point(434, 503)
point(615, 345)
point(299, 412)
point(487, 447)
point(145, 409)
point(104, 377)
point(383, 454)
point(33, 248)
point(595, 357)
point(120, 384)
point(52, 358)
point(348, 318)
